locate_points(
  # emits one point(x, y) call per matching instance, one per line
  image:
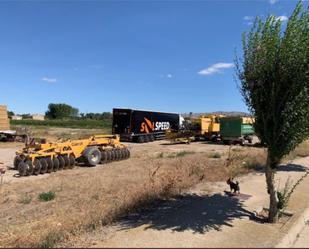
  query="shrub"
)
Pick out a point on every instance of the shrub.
point(254, 165)
point(161, 155)
point(25, 199)
point(180, 154)
point(215, 155)
point(47, 196)
point(51, 239)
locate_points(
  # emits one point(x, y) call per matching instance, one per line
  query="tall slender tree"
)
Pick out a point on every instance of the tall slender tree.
point(274, 82)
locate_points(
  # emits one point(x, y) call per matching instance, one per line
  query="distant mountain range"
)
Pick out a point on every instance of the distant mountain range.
point(232, 113)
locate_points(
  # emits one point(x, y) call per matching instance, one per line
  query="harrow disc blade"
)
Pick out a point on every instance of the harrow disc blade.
point(113, 156)
point(116, 158)
point(108, 156)
point(36, 166)
point(121, 154)
point(66, 162)
point(56, 164)
point(17, 160)
point(128, 152)
point(72, 161)
point(44, 165)
point(61, 162)
point(50, 164)
point(103, 157)
point(23, 168)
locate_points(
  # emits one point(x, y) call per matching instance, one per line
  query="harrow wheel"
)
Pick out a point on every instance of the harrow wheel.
point(66, 162)
point(50, 164)
point(17, 160)
point(104, 157)
point(44, 165)
point(61, 162)
point(71, 161)
point(36, 166)
point(55, 164)
point(92, 156)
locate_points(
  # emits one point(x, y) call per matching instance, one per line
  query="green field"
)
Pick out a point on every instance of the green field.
point(81, 124)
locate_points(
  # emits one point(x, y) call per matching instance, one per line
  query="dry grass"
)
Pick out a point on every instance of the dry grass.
point(301, 150)
point(91, 198)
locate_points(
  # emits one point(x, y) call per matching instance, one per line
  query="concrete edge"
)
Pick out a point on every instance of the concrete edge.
point(294, 227)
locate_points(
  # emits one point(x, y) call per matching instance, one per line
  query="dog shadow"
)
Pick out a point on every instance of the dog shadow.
point(197, 213)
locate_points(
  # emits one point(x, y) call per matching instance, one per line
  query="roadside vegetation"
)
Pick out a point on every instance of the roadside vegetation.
point(65, 123)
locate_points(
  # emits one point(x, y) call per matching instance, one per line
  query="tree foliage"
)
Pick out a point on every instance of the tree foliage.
point(58, 111)
point(97, 116)
point(274, 80)
point(10, 114)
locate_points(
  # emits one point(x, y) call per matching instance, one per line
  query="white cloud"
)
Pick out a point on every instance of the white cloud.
point(215, 68)
point(273, 1)
point(49, 80)
point(282, 18)
point(248, 18)
point(166, 75)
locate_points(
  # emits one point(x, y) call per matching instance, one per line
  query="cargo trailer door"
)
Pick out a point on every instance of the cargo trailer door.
point(121, 121)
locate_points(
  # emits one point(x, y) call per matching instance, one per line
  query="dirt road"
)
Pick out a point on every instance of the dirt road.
point(205, 216)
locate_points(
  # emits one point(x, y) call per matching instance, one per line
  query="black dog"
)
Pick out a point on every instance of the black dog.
point(234, 186)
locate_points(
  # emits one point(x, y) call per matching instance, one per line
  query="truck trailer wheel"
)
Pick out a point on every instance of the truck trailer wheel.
point(92, 156)
point(151, 138)
point(141, 139)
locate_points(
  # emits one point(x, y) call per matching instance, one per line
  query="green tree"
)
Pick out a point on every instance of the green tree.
point(274, 82)
point(10, 114)
point(58, 111)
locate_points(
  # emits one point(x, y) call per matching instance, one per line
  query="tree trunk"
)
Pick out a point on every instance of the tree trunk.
point(273, 198)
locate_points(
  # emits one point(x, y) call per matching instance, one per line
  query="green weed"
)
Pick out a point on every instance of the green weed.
point(47, 196)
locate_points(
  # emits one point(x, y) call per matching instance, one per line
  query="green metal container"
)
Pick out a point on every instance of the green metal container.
point(235, 127)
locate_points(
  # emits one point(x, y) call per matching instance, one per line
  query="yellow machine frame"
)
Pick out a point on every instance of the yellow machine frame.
point(74, 147)
point(41, 157)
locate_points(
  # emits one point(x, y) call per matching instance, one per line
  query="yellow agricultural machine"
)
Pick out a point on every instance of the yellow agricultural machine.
point(206, 127)
point(43, 157)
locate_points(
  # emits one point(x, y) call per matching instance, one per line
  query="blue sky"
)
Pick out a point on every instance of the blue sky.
point(95, 55)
